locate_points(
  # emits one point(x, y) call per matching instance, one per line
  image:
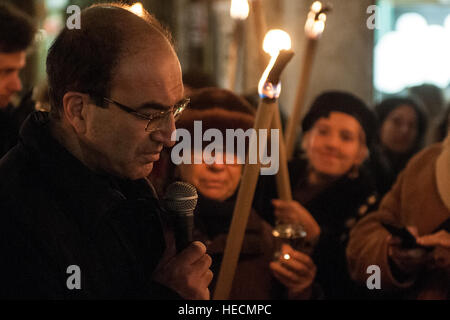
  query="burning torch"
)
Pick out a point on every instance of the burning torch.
point(314, 27)
point(239, 11)
point(277, 43)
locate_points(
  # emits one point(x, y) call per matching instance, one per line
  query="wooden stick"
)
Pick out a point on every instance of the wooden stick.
point(233, 52)
point(282, 177)
point(294, 119)
point(260, 30)
point(264, 116)
point(242, 209)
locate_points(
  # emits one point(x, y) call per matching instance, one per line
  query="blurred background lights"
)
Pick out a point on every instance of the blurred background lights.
point(414, 53)
point(447, 23)
point(411, 22)
point(57, 4)
point(239, 9)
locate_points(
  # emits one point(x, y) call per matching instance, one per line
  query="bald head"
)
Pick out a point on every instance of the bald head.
point(86, 60)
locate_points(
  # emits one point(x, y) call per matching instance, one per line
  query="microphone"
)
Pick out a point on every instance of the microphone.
point(180, 201)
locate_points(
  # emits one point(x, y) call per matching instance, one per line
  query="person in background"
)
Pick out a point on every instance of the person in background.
point(195, 79)
point(16, 35)
point(419, 202)
point(257, 275)
point(433, 100)
point(440, 132)
point(79, 219)
point(402, 126)
point(328, 184)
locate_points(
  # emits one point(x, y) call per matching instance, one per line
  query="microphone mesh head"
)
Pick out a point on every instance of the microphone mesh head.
point(180, 196)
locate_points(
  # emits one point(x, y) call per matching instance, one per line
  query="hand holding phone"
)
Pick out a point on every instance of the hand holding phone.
point(404, 254)
point(408, 240)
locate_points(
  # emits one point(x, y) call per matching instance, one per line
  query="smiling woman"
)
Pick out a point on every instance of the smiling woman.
point(329, 188)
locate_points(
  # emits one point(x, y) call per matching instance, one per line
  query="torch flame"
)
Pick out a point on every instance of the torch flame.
point(315, 22)
point(239, 9)
point(137, 9)
point(316, 6)
point(274, 41)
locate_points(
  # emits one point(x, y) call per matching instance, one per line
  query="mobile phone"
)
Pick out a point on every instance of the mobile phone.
point(408, 240)
point(444, 226)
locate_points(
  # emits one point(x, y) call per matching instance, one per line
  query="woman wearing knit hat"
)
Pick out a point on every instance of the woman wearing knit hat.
point(257, 275)
point(328, 185)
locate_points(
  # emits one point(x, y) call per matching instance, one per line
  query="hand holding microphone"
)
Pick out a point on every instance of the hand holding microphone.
point(188, 271)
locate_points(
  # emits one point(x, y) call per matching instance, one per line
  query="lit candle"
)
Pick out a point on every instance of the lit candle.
point(274, 41)
point(137, 9)
point(315, 22)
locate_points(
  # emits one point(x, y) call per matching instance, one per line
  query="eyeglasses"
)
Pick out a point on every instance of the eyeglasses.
point(156, 120)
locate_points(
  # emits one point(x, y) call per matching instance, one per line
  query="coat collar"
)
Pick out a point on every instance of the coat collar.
point(443, 173)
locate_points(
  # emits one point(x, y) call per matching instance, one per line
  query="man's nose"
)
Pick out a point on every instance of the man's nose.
point(164, 134)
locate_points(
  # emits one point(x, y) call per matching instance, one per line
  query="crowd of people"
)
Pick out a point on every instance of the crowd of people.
point(81, 182)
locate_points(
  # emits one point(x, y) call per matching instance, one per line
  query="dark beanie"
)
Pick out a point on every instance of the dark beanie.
point(339, 101)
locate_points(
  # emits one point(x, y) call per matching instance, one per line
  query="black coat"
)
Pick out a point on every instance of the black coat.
point(336, 209)
point(252, 279)
point(11, 119)
point(55, 212)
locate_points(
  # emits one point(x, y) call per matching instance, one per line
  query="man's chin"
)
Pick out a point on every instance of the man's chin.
point(132, 172)
point(140, 172)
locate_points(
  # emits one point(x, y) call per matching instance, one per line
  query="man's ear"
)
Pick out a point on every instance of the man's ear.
point(74, 104)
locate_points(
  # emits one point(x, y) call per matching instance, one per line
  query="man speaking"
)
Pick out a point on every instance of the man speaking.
point(78, 219)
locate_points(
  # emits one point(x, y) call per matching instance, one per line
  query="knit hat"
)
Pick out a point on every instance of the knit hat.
point(339, 101)
point(217, 109)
